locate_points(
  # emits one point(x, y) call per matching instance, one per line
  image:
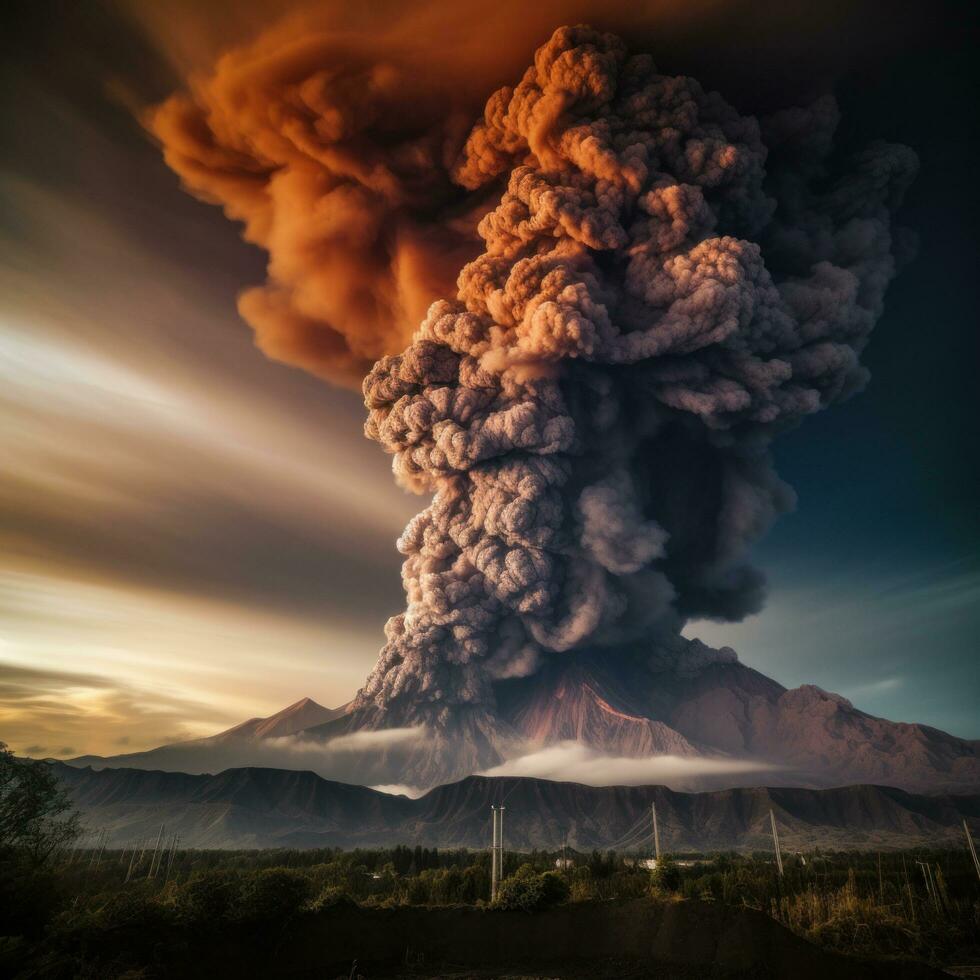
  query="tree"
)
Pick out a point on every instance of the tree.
point(36, 815)
point(272, 895)
point(529, 892)
point(666, 875)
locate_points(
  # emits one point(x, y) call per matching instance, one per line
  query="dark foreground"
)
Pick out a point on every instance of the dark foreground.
point(635, 938)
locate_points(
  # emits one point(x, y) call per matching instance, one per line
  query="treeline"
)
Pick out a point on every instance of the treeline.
point(919, 903)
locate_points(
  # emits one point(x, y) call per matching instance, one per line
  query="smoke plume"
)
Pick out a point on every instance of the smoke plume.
point(652, 287)
point(665, 285)
point(335, 153)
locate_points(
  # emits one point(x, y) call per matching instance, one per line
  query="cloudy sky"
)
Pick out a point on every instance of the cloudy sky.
point(192, 534)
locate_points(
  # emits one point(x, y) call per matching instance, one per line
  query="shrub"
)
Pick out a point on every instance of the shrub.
point(29, 897)
point(272, 895)
point(530, 892)
point(666, 876)
point(208, 897)
point(331, 897)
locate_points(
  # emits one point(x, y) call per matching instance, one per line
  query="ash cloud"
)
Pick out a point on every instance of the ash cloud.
point(335, 154)
point(653, 286)
point(665, 286)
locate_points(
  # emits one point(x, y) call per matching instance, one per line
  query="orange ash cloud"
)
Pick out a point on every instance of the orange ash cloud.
point(331, 137)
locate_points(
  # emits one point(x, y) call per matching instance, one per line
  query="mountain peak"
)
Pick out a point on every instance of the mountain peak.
point(299, 706)
point(305, 713)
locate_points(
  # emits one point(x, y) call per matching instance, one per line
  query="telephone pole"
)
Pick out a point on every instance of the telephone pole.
point(775, 840)
point(156, 851)
point(656, 832)
point(497, 851)
point(493, 855)
point(969, 844)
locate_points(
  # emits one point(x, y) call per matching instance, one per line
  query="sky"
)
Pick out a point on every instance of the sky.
point(192, 534)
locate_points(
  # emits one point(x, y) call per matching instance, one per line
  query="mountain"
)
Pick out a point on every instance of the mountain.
point(305, 713)
point(253, 742)
point(697, 717)
point(279, 808)
point(723, 708)
point(686, 702)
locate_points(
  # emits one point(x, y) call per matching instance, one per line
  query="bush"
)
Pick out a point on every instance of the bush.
point(666, 875)
point(530, 892)
point(208, 897)
point(272, 895)
point(332, 896)
point(29, 897)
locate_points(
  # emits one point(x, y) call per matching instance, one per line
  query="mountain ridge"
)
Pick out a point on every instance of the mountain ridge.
point(715, 721)
point(255, 807)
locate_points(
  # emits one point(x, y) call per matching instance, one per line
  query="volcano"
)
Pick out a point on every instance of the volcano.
point(718, 722)
point(683, 715)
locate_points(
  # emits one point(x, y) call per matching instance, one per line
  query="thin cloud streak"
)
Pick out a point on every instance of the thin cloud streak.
point(575, 762)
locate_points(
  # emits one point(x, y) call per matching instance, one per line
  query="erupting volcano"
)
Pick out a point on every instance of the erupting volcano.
point(651, 287)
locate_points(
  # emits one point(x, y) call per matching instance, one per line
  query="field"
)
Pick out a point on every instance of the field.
point(424, 912)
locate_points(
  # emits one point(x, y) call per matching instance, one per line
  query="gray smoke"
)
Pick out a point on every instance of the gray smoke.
point(665, 286)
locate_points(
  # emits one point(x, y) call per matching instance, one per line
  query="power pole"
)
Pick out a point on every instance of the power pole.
point(969, 844)
point(500, 847)
point(151, 873)
point(497, 851)
point(132, 861)
point(775, 840)
point(171, 856)
point(656, 832)
point(493, 854)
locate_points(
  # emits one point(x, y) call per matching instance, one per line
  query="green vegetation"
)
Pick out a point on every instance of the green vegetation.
point(36, 823)
point(68, 912)
point(531, 891)
point(922, 905)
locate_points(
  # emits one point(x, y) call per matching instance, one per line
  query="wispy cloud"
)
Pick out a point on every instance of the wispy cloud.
point(576, 762)
point(873, 688)
point(41, 710)
point(400, 789)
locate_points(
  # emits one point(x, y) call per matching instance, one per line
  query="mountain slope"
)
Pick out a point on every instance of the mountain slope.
point(272, 808)
point(706, 701)
point(719, 723)
point(305, 713)
point(250, 743)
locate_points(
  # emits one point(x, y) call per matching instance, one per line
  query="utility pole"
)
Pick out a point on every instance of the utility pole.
point(775, 840)
point(500, 848)
point(497, 851)
point(656, 832)
point(171, 856)
point(151, 873)
point(132, 861)
point(493, 854)
point(969, 844)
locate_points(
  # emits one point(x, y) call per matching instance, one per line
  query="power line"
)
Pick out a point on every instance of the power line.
point(629, 833)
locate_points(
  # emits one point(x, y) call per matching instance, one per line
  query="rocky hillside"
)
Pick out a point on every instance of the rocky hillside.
point(274, 808)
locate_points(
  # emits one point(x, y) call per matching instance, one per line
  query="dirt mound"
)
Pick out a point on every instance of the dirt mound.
point(611, 939)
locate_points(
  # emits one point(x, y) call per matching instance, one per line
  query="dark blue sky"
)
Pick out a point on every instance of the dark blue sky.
point(883, 548)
